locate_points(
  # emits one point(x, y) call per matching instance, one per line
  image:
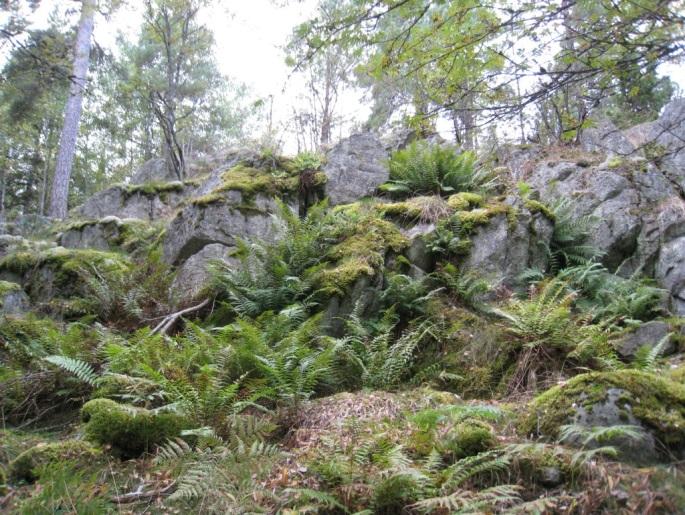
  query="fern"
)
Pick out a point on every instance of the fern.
point(646, 356)
point(82, 370)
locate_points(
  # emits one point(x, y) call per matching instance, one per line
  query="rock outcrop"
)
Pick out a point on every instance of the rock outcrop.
point(637, 202)
point(355, 168)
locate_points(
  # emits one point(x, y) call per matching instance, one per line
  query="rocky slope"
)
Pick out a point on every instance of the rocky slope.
point(333, 345)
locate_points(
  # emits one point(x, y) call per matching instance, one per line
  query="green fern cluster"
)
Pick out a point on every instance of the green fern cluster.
point(424, 169)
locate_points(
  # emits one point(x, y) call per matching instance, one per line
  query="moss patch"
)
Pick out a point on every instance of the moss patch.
point(153, 188)
point(360, 253)
point(130, 431)
point(535, 206)
point(27, 466)
point(7, 287)
point(658, 403)
point(465, 200)
point(251, 181)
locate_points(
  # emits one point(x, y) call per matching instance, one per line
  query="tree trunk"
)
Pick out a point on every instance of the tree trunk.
point(72, 113)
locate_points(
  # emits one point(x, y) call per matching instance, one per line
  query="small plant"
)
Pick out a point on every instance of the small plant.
point(569, 246)
point(467, 288)
point(308, 161)
point(425, 169)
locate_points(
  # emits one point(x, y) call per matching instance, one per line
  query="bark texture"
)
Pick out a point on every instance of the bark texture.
point(72, 112)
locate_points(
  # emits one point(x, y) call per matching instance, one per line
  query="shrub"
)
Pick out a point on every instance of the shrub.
point(427, 169)
point(130, 431)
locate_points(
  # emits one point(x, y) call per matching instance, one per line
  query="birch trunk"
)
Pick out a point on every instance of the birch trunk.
point(72, 112)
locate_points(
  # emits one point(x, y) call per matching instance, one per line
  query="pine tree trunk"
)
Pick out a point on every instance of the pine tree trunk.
point(72, 112)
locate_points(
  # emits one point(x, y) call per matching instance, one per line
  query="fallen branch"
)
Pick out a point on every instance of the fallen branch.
point(170, 320)
point(143, 496)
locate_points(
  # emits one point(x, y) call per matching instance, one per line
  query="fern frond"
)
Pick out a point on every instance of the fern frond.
point(82, 370)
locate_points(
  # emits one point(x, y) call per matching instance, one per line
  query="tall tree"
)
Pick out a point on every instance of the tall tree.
point(177, 71)
point(72, 113)
point(582, 51)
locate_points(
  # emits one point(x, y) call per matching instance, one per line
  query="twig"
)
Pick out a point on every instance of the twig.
point(141, 496)
point(170, 320)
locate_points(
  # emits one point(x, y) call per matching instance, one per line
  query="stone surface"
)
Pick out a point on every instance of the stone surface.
point(355, 168)
point(650, 334)
point(418, 253)
point(193, 275)
point(500, 252)
point(197, 226)
point(604, 136)
point(639, 213)
point(98, 236)
point(115, 201)
point(14, 301)
point(614, 411)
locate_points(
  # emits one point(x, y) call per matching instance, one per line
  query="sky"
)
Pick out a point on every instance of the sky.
point(250, 35)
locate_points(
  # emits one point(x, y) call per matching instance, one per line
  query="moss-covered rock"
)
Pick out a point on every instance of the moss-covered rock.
point(360, 253)
point(609, 398)
point(58, 272)
point(26, 466)
point(468, 438)
point(3, 481)
point(465, 200)
point(252, 181)
point(129, 431)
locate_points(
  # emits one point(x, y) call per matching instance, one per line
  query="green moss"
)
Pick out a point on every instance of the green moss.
point(360, 253)
point(7, 287)
point(656, 402)
point(465, 200)
point(469, 220)
point(130, 431)
point(206, 200)
point(3, 481)
point(153, 188)
point(251, 181)
point(535, 206)
point(615, 162)
point(468, 439)
point(27, 466)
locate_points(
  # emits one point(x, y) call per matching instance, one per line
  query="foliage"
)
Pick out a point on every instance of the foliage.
point(272, 277)
point(423, 168)
point(369, 358)
point(467, 288)
point(568, 245)
point(547, 333)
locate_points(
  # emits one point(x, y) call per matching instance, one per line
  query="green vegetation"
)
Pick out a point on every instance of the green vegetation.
point(29, 465)
point(422, 168)
point(129, 431)
point(654, 401)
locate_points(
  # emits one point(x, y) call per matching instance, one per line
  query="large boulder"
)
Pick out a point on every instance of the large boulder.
point(355, 168)
point(506, 246)
point(625, 397)
point(109, 233)
point(638, 209)
point(149, 201)
point(223, 220)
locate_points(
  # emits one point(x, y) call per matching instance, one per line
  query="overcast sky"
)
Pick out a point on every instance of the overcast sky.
point(250, 35)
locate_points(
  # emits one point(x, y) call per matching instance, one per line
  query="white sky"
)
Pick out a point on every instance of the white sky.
point(250, 35)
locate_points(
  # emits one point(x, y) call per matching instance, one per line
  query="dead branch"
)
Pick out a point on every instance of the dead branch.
point(170, 320)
